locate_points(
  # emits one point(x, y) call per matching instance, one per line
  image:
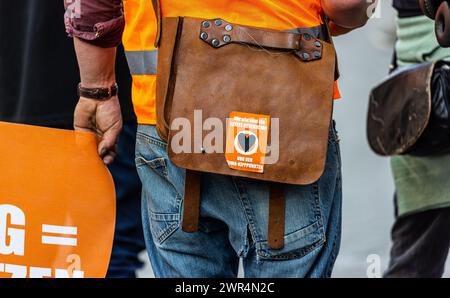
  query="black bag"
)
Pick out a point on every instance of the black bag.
point(409, 112)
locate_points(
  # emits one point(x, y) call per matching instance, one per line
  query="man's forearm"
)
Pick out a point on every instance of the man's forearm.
point(100, 117)
point(97, 28)
point(348, 13)
point(97, 65)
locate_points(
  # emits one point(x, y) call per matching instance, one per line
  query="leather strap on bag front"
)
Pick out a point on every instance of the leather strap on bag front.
point(219, 33)
point(192, 193)
point(329, 38)
point(277, 206)
point(277, 209)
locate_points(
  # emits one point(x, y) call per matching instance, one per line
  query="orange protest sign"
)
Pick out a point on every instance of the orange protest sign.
point(247, 136)
point(57, 204)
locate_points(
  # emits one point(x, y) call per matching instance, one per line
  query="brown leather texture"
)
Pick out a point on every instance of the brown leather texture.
point(277, 212)
point(191, 206)
point(252, 78)
point(166, 77)
point(225, 34)
point(399, 110)
point(157, 9)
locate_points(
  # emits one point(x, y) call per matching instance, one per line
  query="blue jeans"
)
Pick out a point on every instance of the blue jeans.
point(234, 220)
point(128, 237)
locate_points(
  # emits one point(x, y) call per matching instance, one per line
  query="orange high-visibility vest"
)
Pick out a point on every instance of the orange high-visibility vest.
point(141, 29)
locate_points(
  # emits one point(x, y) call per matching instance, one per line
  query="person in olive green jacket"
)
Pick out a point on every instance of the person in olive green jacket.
point(421, 233)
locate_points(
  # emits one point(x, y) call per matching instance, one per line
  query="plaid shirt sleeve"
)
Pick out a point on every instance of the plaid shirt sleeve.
point(99, 22)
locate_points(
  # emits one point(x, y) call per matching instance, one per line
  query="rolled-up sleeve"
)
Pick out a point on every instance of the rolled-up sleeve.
point(99, 22)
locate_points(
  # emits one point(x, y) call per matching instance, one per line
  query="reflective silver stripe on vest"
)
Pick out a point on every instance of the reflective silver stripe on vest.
point(142, 62)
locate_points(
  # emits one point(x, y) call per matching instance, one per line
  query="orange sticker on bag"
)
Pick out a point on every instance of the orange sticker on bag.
point(247, 137)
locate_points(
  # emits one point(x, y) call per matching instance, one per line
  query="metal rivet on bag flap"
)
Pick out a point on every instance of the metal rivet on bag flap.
point(202, 150)
point(215, 42)
point(317, 54)
point(305, 56)
point(318, 44)
point(204, 35)
point(218, 22)
point(206, 24)
point(306, 36)
point(226, 38)
point(228, 27)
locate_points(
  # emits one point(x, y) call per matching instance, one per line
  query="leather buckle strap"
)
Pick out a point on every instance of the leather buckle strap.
point(218, 33)
point(191, 208)
point(277, 206)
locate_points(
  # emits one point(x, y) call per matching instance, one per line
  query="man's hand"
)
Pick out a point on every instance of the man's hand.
point(346, 15)
point(337, 30)
point(102, 118)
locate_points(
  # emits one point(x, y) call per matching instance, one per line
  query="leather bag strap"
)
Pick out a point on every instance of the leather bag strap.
point(277, 210)
point(157, 9)
point(329, 38)
point(219, 33)
point(277, 206)
point(191, 208)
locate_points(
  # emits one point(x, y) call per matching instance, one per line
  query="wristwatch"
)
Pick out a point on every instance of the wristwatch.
point(98, 93)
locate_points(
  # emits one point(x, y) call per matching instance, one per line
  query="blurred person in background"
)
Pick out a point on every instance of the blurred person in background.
point(421, 233)
point(38, 75)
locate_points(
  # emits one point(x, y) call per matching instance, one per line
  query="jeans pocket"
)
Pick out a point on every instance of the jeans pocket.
point(161, 185)
point(304, 228)
point(158, 165)
point(163, 201)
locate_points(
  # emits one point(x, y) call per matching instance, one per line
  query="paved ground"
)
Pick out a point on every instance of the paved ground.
point(364, 57)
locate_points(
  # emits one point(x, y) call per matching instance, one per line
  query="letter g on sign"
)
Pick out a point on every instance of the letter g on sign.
point(12, 240)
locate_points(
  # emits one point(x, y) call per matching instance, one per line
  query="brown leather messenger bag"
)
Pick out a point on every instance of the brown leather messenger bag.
point(224, 69)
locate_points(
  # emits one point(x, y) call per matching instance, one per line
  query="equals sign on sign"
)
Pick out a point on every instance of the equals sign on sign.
point(67, 235)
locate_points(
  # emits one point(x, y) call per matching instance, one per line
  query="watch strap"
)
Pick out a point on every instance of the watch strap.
point(98, 93)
